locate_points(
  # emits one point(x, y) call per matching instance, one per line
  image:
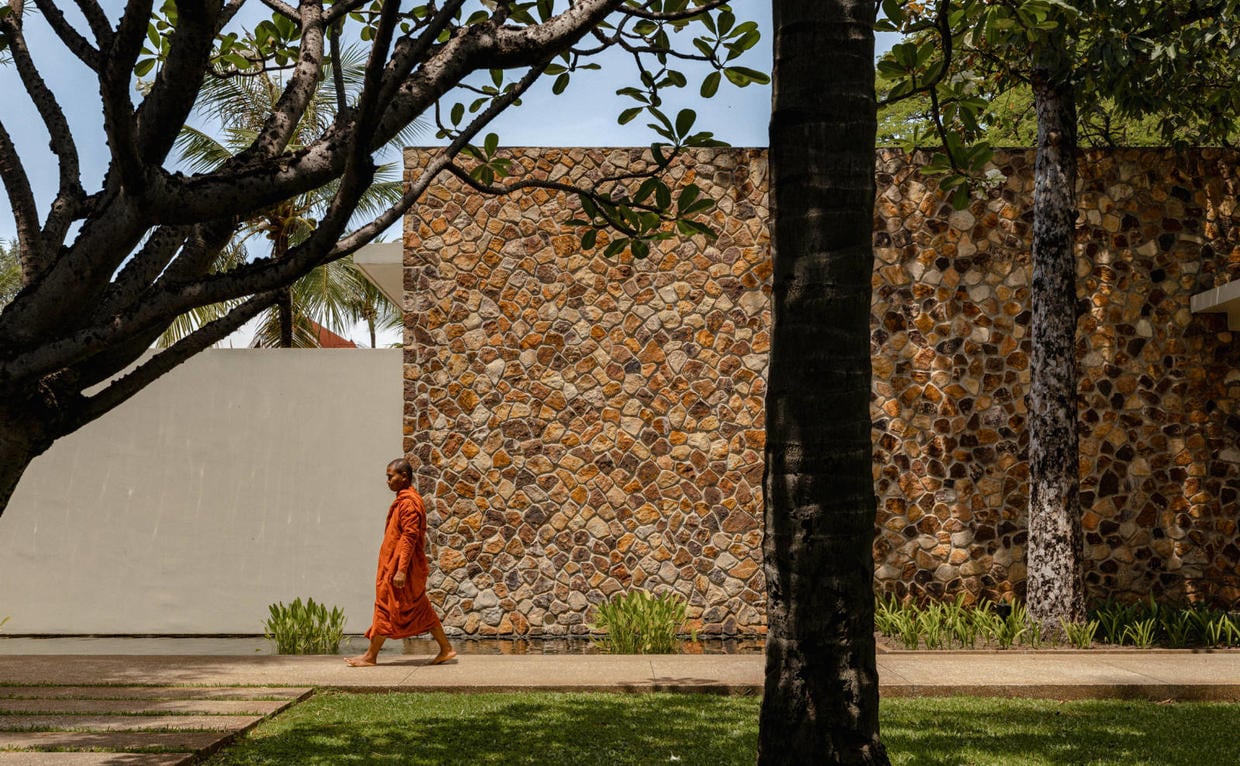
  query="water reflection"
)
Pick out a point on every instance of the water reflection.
point(257, 645)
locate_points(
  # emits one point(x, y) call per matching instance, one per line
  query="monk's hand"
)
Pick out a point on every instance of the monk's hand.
point(398, 580)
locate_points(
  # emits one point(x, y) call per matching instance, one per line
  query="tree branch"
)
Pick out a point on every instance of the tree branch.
point(114, 81)
point(339, 10)
point(170, 100)
point(366, 233)
point(21, 199)
point(62, 143)
point(142, 270)
point(76, 44)
point(100, 27)
point(284, 9)
point(299, 91)
point(209, 334)
point(501, 189)
point(690, 13)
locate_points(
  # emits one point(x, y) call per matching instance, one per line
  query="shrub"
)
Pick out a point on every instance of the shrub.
point(1080, 635)
point(640, 623)
point(304, 628)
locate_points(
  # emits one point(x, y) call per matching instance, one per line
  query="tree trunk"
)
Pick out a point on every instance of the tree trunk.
point(22, 439)
point(821, 698)
point(284, 305)
point(284, 299)
point(1055, 588)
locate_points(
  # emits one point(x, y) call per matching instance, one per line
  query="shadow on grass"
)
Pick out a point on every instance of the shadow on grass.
point(507, 729)
point(1027, 732)
point(581, 728)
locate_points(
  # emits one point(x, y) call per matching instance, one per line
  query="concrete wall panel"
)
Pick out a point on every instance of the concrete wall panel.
point(241, 478)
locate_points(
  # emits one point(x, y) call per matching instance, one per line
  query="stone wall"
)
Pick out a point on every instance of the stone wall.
point(584, 426)
point(588, 425)
point(1159, 393)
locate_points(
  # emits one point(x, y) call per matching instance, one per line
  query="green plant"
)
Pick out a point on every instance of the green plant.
point(1113, 618)
point(1181, 626)
point(933, 623)
point(964, 628)
point(640, 623)
point(1080, 634)
point(1221, 630)
point(1141, 633)
point(1013, 626)
point(888, 614)
point(304, 628)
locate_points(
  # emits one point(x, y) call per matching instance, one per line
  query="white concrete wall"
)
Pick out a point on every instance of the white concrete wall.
point(241, 478)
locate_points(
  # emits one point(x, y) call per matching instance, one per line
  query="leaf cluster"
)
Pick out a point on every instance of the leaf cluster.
point(1139, 73)
point(639, 622)
point(308, 628)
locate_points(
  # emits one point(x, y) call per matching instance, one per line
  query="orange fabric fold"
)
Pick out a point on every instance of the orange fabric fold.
point(407, 611)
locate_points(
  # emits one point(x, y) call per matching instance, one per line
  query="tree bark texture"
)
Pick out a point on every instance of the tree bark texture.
point(1055, 586)
point(821, 697)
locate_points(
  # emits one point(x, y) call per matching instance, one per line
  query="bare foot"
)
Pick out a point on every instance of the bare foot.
point(360, 661)
point(445, 656)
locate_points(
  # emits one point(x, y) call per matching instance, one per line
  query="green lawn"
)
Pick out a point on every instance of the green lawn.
point(540, 728)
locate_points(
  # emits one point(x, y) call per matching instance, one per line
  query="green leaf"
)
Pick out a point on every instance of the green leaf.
point(560, 84)
point(628, 115)
point(144, 67)
point(684, 121)
point(616, 246)
point(662, 196)
point(458, 113)
point(710, 85)
point(491, 143)
point(589, 239)
point(645, 190)
point(687, 197)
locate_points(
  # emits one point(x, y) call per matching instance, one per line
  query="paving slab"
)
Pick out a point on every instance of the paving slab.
point(180, 741)
point(141, 707)
point(1165, 674)
point(95, 759)
point(153, 692)
point(126, 722)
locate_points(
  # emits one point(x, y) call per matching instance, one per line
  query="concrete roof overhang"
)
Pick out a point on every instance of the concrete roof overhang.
point(1220, 300)
point(384, 264)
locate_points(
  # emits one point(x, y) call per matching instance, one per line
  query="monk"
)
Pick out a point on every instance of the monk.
point(401, 606)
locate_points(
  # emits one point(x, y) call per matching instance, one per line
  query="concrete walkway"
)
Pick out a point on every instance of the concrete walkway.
point(194, 704)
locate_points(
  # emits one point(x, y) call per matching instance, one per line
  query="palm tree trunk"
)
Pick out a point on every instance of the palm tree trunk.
point(284, 304)
point(284, 299)
point(821, 697)
point(1055, 588)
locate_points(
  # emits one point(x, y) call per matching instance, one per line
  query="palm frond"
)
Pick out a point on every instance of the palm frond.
point(200, 152)
point(10, 272)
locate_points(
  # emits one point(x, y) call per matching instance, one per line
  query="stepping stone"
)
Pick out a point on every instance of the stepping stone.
point(182, 741)
point(126, 722)
point(95, 759)
point(142, 707)
point(152, 692)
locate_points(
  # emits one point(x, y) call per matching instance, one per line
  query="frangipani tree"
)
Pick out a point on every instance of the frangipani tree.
point(106, 270)
point(332, 295)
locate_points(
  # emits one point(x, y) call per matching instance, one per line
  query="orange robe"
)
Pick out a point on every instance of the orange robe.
point(403, 612)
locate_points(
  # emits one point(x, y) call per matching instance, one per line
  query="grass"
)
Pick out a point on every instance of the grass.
point(576, 728)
